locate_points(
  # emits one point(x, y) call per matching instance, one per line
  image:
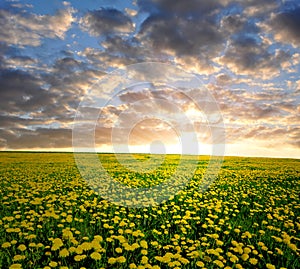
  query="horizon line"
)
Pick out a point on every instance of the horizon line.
point(149, 153)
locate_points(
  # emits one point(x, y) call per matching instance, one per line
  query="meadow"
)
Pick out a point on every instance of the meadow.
point(51, 218)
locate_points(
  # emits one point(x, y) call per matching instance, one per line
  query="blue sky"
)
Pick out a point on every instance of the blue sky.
point(247, 54)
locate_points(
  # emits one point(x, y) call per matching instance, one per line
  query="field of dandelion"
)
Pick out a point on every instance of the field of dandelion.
point(50, 218)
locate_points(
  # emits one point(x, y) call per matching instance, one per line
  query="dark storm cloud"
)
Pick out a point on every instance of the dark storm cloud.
point(68, 80)
point(178, 7)
point(67, 64)
point(285, 26)
point(21, 91)
point(11, 122)
point(182, 34)
point(233, 23)
point(249, 55)
point(39, 138)
point(29, 101)
point(106, 21)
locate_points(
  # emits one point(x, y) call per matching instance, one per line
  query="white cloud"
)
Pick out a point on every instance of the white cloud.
point(28, 29)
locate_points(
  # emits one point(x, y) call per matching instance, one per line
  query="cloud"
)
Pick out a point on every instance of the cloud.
point(106, 21)
point(246, 55)
point(270, 135)
point(28, 29)
point(258, 8)
point(35, 139)
point(178, 7)
point(20, 62)
point(21, 91)
point(179, 36)
point(285, 26)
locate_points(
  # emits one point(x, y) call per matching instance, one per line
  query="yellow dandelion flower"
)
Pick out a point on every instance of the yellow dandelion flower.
point(16, 266)
point(200, 264)
point(144, 260)
point(144, 244)
point(56, 244)
point(219, 243)
point(78, 258)
point(133, 266)
point(6, 245)
point(247, 250)
point(121, 259)
point(144, 252)
point(32, 245)
point(22, 247)
point(79, 250)
point(234, 258)
point(18, 257)
point(119, 250)
point(64, 253)
point(96, 256)
point(112, 260)
point(72, 249)
point(253, 261)
point(245, 257)
point(86, 246)
point(270, 266)
point(53, 264)
point(183, 260)
point(292, 247)
point(98, 238)
point(219, 263)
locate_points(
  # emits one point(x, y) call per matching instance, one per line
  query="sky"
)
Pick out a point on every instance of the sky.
point(245, 52)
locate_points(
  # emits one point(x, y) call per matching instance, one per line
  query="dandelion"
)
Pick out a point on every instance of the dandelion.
point(78, 258)
point(234, 259)
point(247, 250)
point(6, 245)
point(16, 266)
point(253, 261)
point(53, 264)
point(270, 266)
point(18, 257)
point(86, 246)
point(121, 259)
point(144, 260)
point(245, 257)
point(200, 264)
point(64, 253)
point(56, 244)
point(292, 247)
point(219, 263)
point(96, 256)
point(144, 244)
